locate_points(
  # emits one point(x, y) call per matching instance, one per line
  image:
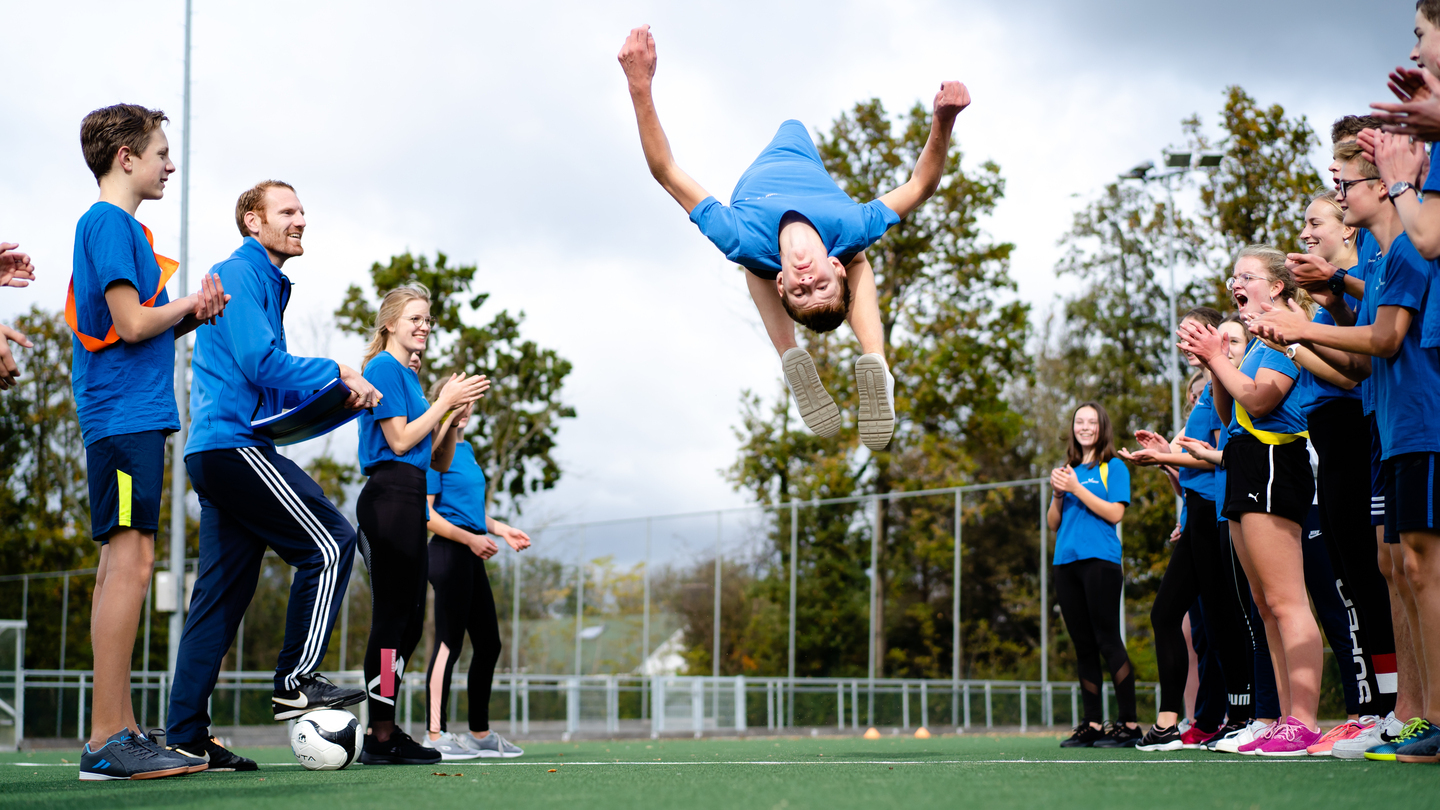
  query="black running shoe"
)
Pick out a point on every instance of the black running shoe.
point(1161, 739)
point(1085, 736)
point(1119, 735)
point(155, 741)
point(400, 749)
point(1230, 727)
point(315, 692)
point(219, 757)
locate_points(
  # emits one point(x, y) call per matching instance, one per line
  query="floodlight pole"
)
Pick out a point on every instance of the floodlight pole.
point(182, 388)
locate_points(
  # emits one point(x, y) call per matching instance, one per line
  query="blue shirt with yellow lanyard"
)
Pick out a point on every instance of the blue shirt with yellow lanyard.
point(1286, 421)
point(1084, 535)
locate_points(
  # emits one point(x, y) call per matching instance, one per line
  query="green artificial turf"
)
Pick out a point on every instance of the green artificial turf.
point(971, 770)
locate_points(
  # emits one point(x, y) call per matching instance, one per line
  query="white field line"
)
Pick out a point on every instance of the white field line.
point(487, 762)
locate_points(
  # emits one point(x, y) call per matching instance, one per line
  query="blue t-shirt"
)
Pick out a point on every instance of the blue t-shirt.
point(125, 387)
point(402, 396)
point(1084, 535)
point(1368, 252)
point(788, 176)
point(460, 491)
point(1407, 386)
point(1287, 417)
point(1201, 424)
point(1220, 478)
point(1317, 391)
point(1432, 180)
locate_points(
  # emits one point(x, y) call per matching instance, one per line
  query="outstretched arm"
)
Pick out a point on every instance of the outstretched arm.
point(637, 58)
point(952, 98)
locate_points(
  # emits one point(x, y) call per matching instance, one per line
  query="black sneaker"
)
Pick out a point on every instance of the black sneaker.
point(400, 749)
point(218, 756)
point(1161, 739)
point(315, 692)
point(1119, 735)
point(1085, 736)
point(155, 741)
point(124, 756)
point(1230, 727)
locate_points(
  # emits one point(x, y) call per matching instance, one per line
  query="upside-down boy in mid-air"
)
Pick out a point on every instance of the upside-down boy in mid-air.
point(803, 241)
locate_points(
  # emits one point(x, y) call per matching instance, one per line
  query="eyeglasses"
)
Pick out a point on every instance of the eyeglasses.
point(1239, 281)
point(1346, 184)
point(422, 320)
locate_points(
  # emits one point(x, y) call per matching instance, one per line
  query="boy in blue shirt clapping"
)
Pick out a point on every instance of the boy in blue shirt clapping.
point(122, 372)
point(803, 241)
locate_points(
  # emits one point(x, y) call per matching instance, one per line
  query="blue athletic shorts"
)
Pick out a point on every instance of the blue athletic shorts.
point(1412, 493)
point(1377, 476)
point(126, 475)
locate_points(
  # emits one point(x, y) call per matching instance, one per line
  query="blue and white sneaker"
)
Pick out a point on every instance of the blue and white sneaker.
point(491, 745)
point(124, 756)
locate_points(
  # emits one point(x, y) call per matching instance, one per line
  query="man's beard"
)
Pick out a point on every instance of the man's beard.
point(275, 240)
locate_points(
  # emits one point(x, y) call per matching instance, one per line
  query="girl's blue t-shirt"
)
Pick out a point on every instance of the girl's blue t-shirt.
point(1201, 425)
point(460, 491)
point(402, 396)
point(1288, 416)
point(1220, 477)
point(1084, 535)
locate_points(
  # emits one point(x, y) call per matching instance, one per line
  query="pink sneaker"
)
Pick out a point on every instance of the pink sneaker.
point(1291, 739)
point(1260, 739)
point(1348, 730)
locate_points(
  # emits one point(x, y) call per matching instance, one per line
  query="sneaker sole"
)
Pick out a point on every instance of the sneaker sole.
point(1299, 753)
point(1175, 745)
point(291, 713)
point(1379, 757)
point(877, 420)
point(1418, 758)
point(815, 404)
point(444, 757)
point(373, 760)
point(86, 776)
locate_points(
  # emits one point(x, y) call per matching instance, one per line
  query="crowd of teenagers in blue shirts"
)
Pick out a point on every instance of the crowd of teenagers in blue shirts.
point(1323, 381)
point(1320, 383)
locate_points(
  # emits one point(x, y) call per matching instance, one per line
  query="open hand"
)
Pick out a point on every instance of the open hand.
point(1399, 157)
point(517, 539)
point(210, 301)
point(1194, 446)
point(637, 57)
point(1062, 479)
point(1418, 112)
point(8, 370)
point(952, 98)
point(1144, 457)
point(1201, 340)
point(1281, 326)
point(15, 267)
point(1151, 440)
point(462, 390)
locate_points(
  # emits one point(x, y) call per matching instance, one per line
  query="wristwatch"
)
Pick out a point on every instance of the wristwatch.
point(1336, 283)
point(1290, 350)
point(1400, 188)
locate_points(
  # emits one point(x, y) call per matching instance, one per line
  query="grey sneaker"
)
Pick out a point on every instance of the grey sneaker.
point(493, 745)
point(1354, 748)
point(816, 405)
point(450, 746)
point(876, 390)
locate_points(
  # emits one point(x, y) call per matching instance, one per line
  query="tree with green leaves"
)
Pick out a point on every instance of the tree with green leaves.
point(520, 415)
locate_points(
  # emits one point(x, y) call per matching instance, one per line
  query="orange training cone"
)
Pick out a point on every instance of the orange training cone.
point(922, 733)
point(872, 733)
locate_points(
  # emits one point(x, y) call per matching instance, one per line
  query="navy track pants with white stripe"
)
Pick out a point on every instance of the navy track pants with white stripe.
point(252, 498)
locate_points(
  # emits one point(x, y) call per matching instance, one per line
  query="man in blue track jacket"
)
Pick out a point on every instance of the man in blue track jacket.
point(251, 497)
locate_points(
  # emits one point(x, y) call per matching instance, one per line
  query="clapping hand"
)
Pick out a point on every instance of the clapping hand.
point(9, 371)
point(1418, 113)
point(1278, 326)
point(1062, 479)
point(1201, 340)
point(1145, 457)
point(15, 267)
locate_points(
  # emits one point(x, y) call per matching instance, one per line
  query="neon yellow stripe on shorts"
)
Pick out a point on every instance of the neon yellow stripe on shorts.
point(124, 482)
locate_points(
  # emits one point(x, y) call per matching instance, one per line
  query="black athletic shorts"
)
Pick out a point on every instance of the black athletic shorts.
point(126, 475)
point(1272, 478)
point(1377, 475)
point(1410, 494)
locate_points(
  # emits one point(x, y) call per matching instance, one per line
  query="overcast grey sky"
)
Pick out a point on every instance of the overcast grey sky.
point(502, 134)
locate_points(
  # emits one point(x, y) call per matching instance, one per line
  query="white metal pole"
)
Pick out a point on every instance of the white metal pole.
point(955, 597)
point(182, 388)
point(715, 654)
point(794, 563)
point(1044, 585)
point(579, 600)
point(1174, 349)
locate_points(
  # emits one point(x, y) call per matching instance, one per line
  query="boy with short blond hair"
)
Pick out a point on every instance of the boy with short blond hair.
point(122, 374)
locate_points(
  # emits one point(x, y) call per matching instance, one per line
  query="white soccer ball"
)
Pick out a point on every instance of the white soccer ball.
point(326, 740)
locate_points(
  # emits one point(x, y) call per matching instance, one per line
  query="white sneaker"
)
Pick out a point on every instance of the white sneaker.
point(1355, 747)
point(816, 406)
point(877, 405)
point(1230, 743)
point(449, 746)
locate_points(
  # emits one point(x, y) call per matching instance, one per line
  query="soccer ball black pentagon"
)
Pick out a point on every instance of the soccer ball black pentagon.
point(326, 740)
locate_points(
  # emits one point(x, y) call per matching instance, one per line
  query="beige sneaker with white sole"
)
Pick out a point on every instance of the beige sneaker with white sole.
point(816, 406)
point(876, 389)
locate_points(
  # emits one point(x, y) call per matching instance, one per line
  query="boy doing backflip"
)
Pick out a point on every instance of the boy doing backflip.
point(122, 372)
point(802, 240)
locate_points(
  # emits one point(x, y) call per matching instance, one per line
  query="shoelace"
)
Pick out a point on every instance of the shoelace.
point(1412, 729)
point(1286, 732)
point(138, 749)
point(1269, 731)
point(1344, 731)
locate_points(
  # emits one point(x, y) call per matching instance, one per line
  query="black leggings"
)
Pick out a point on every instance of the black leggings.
point(1350, 541)
point(1203, 565)
point(463, 602)
point(392, 513)
point(1089, 595)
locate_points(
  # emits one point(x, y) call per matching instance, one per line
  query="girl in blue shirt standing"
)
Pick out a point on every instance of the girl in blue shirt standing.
point(1090, 495)
point(400, 439)
point(463, 540)
point(1268, 491)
